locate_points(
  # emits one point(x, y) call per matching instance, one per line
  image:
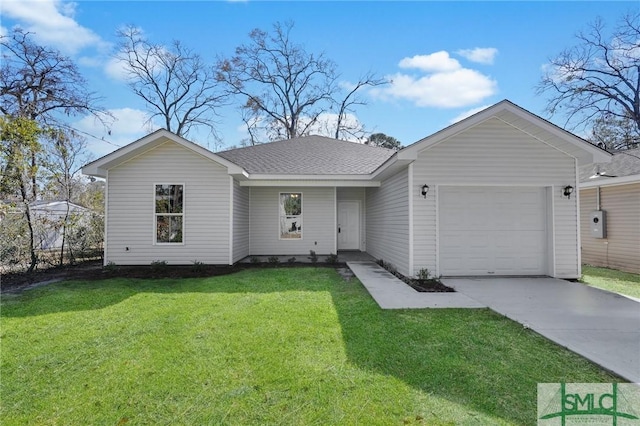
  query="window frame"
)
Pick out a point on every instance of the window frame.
point(156, 214)
point(301, 216)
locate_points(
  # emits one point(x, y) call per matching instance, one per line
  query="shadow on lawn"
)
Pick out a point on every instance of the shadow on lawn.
point(452, 354)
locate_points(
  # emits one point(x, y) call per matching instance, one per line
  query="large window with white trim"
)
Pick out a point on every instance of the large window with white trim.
point(290, 215)
point(169, 214)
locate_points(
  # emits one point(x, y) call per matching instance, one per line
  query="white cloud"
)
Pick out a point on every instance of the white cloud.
point(128, 125)
point(455, 89)
point(53, 23)
point(435, 62)
point(468, 113)
point(482, 55)
point(116, 69)
point(440, 81)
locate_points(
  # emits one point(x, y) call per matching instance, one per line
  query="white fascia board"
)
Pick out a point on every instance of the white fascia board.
point(623, 180)
point(390, 167)
point(258, 177)
point(311, 182)
point(598, 155)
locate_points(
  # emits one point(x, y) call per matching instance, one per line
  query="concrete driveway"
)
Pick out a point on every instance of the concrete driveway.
point(601, 326)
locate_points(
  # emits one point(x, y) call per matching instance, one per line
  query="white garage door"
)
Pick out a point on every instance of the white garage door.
point(492, 231)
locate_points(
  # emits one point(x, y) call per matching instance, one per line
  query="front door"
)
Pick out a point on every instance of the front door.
point(348, 225)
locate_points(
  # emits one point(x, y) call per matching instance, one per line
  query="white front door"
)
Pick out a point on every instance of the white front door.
point(348, 225)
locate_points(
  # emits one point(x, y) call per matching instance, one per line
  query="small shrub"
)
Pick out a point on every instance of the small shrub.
point(380, 262)
point(332, 258)
point(273, 260)
point(111, 267)
point(159, 265)
point(424, 274)
point(254, 259)
point(198, 266)
point(313, 257)
point(291, 260)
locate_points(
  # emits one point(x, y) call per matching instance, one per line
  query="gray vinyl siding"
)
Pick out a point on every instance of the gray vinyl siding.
point(318, 221)
point(388, 221)
point(131, 194)
point(493, 154)
point(356, 194)
point(241, 228)
point(621, 249)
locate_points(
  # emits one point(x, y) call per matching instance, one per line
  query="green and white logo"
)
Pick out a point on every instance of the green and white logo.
point(563, 404)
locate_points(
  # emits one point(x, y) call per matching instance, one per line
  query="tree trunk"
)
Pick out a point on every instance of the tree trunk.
point(64, 234)
point(32, 245)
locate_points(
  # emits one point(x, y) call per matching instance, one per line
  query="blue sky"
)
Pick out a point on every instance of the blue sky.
point(446, 59)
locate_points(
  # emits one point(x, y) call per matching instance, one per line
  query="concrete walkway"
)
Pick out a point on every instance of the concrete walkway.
point(391, 293)
point(603, 327)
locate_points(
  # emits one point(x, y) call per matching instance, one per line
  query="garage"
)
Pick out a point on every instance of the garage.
point(492, 230)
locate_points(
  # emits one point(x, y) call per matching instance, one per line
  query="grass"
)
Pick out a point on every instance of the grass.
point(274, 346)
point(612, 280)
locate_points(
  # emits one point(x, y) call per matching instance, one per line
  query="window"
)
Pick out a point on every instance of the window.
point(169, 213)
point(291, 216)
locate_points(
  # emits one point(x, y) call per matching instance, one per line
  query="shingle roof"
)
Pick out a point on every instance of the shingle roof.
point(309, 155)
point(623, 163)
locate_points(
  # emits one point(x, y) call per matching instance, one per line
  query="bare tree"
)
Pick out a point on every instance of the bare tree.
point(614, 134)
point(65, 155)
point(284, 88)
point(598, 77)
point(352, 100)
point(175, 82)
point(39, 83)
point(288, 92)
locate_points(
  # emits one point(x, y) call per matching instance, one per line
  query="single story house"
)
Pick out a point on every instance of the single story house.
point(610, 193)
point(489, 195)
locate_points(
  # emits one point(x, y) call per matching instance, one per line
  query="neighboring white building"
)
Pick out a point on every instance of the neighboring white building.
point(485, 196)
point(614, 189)
point(49, 217)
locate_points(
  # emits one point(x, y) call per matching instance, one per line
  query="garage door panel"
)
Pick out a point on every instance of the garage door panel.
point(492, 231)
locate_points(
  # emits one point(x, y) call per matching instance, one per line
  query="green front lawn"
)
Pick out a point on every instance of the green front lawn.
point(612, 280)
point(274, 346)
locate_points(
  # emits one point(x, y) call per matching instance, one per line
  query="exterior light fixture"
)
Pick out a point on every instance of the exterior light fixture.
point(568, 190)
point(424, 190)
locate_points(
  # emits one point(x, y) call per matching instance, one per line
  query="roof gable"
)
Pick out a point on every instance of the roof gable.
point(522, 120)
point(100, 166)
point(309, 155)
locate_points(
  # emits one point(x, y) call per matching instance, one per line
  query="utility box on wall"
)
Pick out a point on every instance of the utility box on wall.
point(598, 224)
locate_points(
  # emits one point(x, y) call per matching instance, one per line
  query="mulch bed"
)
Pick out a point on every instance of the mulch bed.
point(93, 270)
point(429, 286)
